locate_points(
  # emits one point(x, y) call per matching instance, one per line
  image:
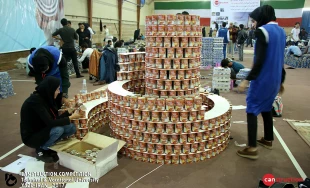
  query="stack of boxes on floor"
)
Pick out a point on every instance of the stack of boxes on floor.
point(167, 124)
point(93, 119)
point(212, 51)
point(221, 79)
point(6, 86)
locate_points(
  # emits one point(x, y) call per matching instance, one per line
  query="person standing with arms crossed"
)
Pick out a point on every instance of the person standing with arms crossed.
point(266, 76)
point(68, 35)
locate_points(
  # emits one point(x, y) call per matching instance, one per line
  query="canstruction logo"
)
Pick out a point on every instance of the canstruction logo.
point(216, 2)
point(269, 180)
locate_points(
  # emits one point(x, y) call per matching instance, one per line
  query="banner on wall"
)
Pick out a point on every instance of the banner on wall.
point(235, 11)
point(29, 23)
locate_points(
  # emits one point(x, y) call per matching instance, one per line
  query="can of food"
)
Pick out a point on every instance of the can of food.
point(177, 149)
point(168, 85)
point(163, 93)
point(149, 30)
point(163, 74)
point(167, 42)
point(183, 138)
point(134, 125)
point(161, 103)
point(133, 101)
point(209, 144)
point(161, 30)
point(168, 159)
point(179, 104)
point(165, 116)
point(159, 41)
point(175, 116)
point(188, 20)
point(178, 128)
point(141, 103)
point(179, 30)
point(164, 138)
point(196, 52)
point(212, 123)
point(202, 146)
point(145, 157)
point(194, 19)
point(129, 113)
point(150, 127)
point(183, 116)
point(142, 126)
point(184, 42)
point(137, 114)
point(169, 128)
point(189, 103)
point(172, 74)
point(170, 103)
point(199, 137)
point(183, 159)
point(186, 148)
point(151, 103)
point(174, 139)
point(170, 53)
point(162, 53)
point(184, 64)
point(180, 19)
point(170, 30)
point(201, 115)
point(171, 19)
point(142, 147)
point(188, 74)
point(192, 42)
point(153, 158)
point(177, 85)
point(153, 82)
point(188, 30)
point(172, 93)
point(155, 116)
point(179, 52)
point(162, 19)
point(175, 42)
point(145, 115)
point(158, 63)
point(159, 128)
point(188, 53)
point(154, 30)
point(191, 158)
point(193, 115)
point(139, 136)
point(191, 138)
point(175, 159)
point(206, 135)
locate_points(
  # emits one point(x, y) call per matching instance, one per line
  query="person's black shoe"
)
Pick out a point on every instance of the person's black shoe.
point(79, 76)
point(43, 155)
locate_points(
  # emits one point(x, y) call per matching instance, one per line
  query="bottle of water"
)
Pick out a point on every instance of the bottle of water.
point(84, 87)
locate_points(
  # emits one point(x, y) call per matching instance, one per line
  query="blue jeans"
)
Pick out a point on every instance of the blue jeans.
point(58, 133)
point(224, 51)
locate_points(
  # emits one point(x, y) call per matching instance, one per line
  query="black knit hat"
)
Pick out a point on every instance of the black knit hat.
point(42, 60)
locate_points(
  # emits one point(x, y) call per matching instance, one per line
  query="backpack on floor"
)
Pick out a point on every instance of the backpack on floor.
point(277, 107)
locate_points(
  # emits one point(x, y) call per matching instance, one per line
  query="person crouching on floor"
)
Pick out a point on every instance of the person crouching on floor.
point(295, 50)
point(40, 125)
point(234, 66)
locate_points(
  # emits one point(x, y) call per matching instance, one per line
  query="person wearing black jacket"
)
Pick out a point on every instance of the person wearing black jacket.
point(40, 125)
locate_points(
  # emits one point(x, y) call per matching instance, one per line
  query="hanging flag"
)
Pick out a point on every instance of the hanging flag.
point(100, 25)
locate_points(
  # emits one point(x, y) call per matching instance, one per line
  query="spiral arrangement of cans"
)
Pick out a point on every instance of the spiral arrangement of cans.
point(169, 122)
point(92, 120)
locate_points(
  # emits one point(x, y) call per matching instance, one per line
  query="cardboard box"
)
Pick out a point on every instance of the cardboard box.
point(106, 157)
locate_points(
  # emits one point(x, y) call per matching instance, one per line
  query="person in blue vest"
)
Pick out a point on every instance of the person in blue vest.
point(267, 77)
point(223, 32)
point(48, 61)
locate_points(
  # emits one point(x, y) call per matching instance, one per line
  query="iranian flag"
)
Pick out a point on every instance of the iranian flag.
point(288, 12)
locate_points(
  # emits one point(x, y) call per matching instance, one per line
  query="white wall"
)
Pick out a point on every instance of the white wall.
point(107, 11)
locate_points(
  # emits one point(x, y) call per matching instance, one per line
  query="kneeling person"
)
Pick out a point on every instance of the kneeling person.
point(40, 125)
point(234, 66)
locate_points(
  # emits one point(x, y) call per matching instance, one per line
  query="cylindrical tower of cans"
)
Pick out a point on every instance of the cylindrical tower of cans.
point(168, 124)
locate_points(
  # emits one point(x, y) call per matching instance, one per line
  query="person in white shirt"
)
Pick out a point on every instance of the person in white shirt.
point(295, 33)
point(85, 56)
point(106, 31)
